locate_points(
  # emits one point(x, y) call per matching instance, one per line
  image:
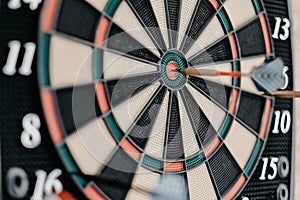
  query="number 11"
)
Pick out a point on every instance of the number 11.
point(10, 66)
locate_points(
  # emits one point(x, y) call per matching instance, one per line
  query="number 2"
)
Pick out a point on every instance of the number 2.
point(16, 4)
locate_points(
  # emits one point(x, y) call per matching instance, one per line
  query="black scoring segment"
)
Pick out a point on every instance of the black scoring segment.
point(77, 106)
point(116, 178)
point(221, 51)
point(251, 107)
point(203, 13)
point(220, 93)
point(122, 89)
point(78, 18)
point(174, 138)
point(144, 11)
point(251, 39)
point(141, 131)
point(224, 169)
point(206, 133)
point(123, 42)
point(173, 14)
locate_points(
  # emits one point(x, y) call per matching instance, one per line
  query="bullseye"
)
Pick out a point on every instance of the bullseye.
point(170, 62)
point(172, 66)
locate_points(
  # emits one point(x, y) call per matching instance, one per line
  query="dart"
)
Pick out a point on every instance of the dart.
point(267, 77)
point(208, 72)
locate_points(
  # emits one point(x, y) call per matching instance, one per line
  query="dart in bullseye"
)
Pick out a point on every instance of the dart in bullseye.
point(267, 77)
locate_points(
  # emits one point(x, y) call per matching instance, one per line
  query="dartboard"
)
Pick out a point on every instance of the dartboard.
point(130, 118)
point(126, 124)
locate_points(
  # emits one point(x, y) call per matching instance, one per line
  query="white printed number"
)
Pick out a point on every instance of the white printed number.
point(46, 184)
point(285, 77)
point(273, 165)
point(31, 136)
point(11, 63)
point(282, 121)
point(277, 165)
point(17, 183)
point(281, 24)
point(15, 4)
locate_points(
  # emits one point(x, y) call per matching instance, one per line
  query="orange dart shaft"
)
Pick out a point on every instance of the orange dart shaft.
point(208, 72)
point(232, 74)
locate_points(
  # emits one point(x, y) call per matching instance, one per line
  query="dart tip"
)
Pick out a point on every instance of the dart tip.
point(176, 70)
